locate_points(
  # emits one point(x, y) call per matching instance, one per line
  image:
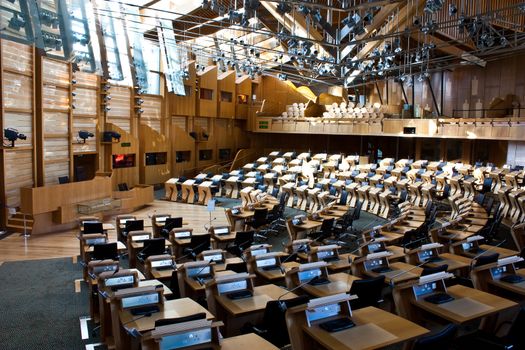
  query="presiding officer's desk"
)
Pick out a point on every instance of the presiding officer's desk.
point(236, 312)
point(374, 328)
point(125, 322)
point(467, 305)
point(493, 278)
point(303, 274)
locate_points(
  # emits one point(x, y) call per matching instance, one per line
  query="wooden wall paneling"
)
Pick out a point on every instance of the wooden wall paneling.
point(17, 107)
point(120, 112)
point(185, 105)
point(56, 121)
point(181, 141)
point(226, 94)
point(85, 113)
point(224, 133)
point(129, 175)
point(207, 80)
point(278, 94)
point(243, 96)
point(152, 115)
point(152, 141)
point(206, 125)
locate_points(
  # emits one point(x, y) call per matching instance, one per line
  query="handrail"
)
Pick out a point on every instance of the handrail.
point(485, 110)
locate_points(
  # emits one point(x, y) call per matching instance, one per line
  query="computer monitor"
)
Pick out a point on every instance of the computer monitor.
point(134, 225)
point(154, 246)
point(93, 227)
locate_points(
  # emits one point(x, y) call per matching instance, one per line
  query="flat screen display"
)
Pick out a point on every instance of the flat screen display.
point(123, 160)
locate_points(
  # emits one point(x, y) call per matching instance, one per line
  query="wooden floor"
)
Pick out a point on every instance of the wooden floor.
point(65, 244)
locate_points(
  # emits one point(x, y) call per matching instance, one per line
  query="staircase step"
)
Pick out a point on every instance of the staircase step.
point(18, 227)
point(20, 219)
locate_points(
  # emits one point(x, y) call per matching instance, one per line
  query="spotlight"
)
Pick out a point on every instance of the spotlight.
point(84, 135)
point(108, 136)
point(452, 10)
point(12, 135)
point(17, 22)
point(282, 76)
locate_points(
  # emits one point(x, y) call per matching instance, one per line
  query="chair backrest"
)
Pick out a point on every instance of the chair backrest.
point(174, 285)
point(238, 267)
point(93, 227)
point(486, 259)
point(327, 225)
point(438, 341)
point(432, 270)
point(154, 246)
point(243, 239)
point(344, 197)
point(168, 321)
point(105, 251)
point(274, 319)
point(123, 187)
point(368, 290)
point(134, 225)
point(199, 243)
point(516, 330)
point(260, 214)
point(357, 210)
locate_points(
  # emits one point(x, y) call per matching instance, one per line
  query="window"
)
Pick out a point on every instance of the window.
point(123, 160)
point(182, 156)
point(226, 96)
point(156, 158)
point(206, 94)
point(225, 154)
point(242, 99)
point(205, 154)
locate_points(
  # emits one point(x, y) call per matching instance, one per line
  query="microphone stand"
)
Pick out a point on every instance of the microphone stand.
point(405, 272)
point(484, 252)
point(201, 282)
point(282, 305)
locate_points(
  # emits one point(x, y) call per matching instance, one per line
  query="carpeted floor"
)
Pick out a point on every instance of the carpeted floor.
point(39, 306)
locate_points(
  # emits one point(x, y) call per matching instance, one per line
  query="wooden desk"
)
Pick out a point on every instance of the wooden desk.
point(375, 328)
point(339, 283)
point(469, 304)
point(235, 313)
point(170, 309)
point(397, 269)
point(246, 341)
point(221, 241)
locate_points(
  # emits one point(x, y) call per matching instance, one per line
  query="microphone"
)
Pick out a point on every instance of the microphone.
point(200, 280)
point(192, 250)
point(474, 259)
point(412, 242)
point(282, 305)
point(405, 272)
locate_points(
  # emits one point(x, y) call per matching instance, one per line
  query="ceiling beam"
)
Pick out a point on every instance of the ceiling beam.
point(296, 24)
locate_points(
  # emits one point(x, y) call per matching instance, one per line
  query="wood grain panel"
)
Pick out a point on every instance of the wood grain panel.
point(85, 101)
point(86, 79)
point(226, 85)
point(17, 57)
point(23, 122)
point(52, 171)
point(18, 172)
point(17, 91)
point(86, 124)
point(152, 115)
point(55, 72)
point(55, 98)
point(208, 80)
point(120, 113)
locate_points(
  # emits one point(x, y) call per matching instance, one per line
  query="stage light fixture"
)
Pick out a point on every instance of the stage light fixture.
point(84, 135)
point(12, 135)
